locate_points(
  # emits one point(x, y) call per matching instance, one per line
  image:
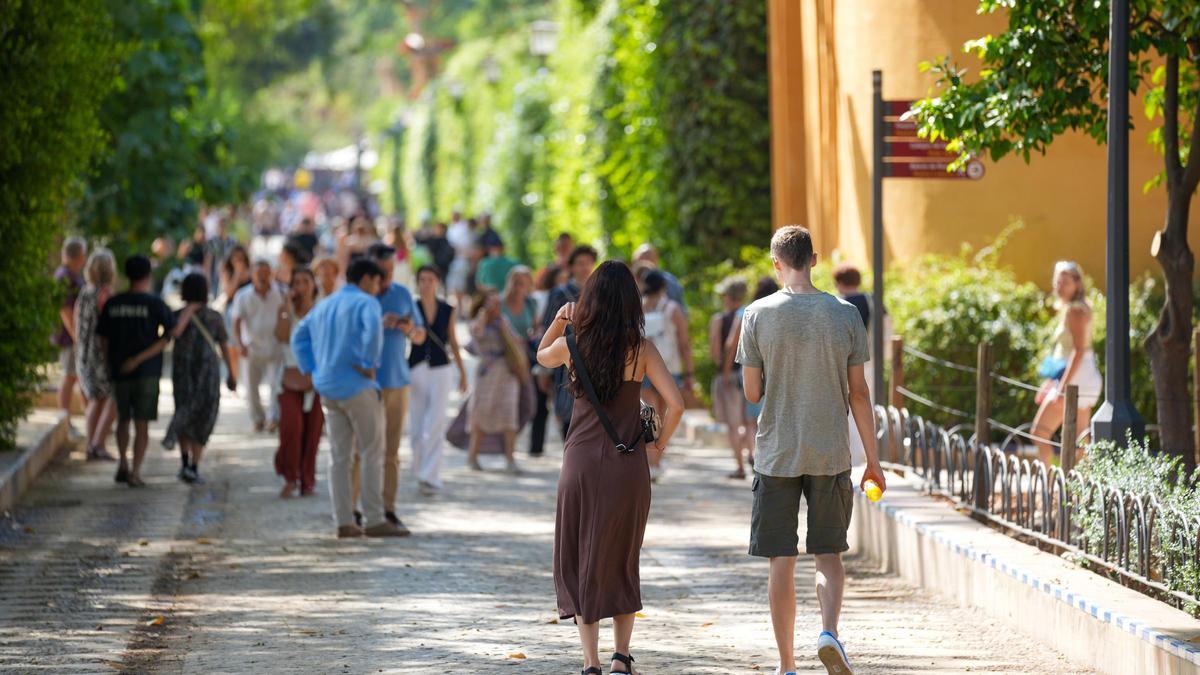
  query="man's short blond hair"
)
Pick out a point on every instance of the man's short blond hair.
point(792, 246)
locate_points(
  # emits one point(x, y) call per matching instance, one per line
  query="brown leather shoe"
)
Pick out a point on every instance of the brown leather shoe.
point(386, 529)
point(349, 532)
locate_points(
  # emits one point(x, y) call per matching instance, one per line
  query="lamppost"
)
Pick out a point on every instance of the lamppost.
point(543, 39)
point(456, 91)
point(1117, 417)
point(396, 133)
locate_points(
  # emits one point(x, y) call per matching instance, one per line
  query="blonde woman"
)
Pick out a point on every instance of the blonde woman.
point(1071, 360)
point(100, 273)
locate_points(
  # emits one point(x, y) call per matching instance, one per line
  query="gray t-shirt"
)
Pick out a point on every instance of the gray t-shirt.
point(804, 343)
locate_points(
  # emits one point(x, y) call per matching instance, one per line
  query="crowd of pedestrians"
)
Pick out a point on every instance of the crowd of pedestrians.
point(357, 334)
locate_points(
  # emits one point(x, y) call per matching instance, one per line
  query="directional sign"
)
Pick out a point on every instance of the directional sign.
point(918, 148)
point(973, 170)
point(896, 108)
point(902, 128)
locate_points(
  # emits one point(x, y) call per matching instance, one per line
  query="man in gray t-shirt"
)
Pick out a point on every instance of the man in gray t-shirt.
point(802, 353)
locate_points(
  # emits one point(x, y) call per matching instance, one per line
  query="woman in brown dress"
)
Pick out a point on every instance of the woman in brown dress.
point(603, 493)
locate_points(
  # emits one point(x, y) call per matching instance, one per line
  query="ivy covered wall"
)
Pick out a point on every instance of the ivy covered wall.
point(649, 122)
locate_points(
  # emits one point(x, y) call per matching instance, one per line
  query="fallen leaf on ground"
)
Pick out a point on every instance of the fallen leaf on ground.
point(99, 627)
point(28, 530)
point(204, 540)
point(552, 621)
point(517, 655)
point(306, 631)
point(706, 624)
point(143, 542)
point(191, 575)
point(157, 621)
point(115, 665)
point(640, 615)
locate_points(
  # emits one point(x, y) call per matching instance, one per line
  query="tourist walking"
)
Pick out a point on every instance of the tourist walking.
point(401, 323)
point(70, 276)
point(1071, 359)
point(806, 386)
point(729, 402)
point(90, 362)
point(647, 254)
point(580, 264)
point(201, 345)
point(235, 275)
point(548, 279)
point(765, 286)
point(495, 403)
point(135, 327)
point(255, 310)
point(667, 329)
point(460, 236)
point(432, 376)
point(301, 419)
point(339, 343)
point(492, 273)
point(328, 276)
point(604, 488)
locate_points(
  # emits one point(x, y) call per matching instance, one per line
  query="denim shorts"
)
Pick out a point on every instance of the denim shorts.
point(776, 514)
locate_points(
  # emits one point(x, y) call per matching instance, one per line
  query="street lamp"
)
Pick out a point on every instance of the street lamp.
point(396, 132)
point(1117, 417)
point(543, 39)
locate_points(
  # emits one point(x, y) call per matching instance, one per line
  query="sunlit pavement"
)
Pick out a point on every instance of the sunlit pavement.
point(96, 577)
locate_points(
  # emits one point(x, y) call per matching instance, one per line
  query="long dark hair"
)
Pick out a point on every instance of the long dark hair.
point(609, 323)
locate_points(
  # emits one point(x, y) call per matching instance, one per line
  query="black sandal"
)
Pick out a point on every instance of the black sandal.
point(623, 658)
point(592, 670)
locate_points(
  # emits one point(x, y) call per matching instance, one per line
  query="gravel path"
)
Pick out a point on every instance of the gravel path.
point(229, 578)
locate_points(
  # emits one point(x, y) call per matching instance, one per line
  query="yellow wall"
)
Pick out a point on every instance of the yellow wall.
point(826, 99)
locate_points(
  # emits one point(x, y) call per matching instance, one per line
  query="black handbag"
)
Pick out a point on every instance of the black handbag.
point(651, 423)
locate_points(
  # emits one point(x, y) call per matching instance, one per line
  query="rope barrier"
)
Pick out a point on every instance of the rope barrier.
point(1015, 383)
point(936, 406)
point(1017, 432)
point(936, 361)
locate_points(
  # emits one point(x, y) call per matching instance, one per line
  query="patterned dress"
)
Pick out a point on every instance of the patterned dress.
point(196, 376)
point(90, 361)
point(495, 403)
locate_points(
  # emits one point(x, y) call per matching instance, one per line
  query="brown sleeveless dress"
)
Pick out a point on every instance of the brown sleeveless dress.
point(603, 503)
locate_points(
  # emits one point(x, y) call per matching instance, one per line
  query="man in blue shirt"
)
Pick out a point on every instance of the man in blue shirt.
point(401, 323)
point(340, 343)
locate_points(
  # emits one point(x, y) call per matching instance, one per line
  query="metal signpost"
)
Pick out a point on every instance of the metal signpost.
point(899, 153)
point(1117, 417)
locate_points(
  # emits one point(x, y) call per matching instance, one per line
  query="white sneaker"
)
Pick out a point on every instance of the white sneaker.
point(833, 655)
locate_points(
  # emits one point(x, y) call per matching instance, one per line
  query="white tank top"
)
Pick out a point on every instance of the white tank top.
point(660, 331)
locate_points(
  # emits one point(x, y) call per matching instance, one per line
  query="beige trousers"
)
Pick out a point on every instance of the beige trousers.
point(395, 405)
point(355, 422)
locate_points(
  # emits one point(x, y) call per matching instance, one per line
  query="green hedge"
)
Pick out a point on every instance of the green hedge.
point(56, 65)
point(1136, 471)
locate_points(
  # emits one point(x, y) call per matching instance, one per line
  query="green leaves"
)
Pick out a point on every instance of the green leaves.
point(57, 62)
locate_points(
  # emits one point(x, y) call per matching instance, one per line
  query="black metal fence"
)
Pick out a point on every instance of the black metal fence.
point(1127, 535)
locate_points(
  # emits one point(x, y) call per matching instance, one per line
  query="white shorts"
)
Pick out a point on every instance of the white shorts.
point(456, 276)
point(1087, 378)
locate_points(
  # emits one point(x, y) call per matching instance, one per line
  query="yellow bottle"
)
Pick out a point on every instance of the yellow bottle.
point(874, 492)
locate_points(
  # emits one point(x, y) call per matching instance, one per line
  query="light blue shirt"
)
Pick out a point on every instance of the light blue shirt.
point(343, 331)
point(393, 367)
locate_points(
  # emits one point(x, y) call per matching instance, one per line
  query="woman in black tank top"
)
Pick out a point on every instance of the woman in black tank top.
point(432, 378)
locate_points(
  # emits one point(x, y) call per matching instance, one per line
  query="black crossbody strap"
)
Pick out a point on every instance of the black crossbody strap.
point(582, 375)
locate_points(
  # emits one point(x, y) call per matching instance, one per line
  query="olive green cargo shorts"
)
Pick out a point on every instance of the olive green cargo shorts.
point(776, 515)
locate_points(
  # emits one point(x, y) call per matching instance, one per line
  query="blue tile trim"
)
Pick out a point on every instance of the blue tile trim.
point(1184, 650)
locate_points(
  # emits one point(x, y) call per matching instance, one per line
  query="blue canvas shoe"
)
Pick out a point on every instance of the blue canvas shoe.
point(833, 655)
